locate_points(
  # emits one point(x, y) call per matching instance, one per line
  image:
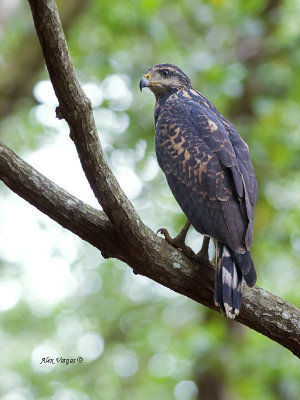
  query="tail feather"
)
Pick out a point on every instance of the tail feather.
point(237, 289)
point(228, 273)
point(231, 268)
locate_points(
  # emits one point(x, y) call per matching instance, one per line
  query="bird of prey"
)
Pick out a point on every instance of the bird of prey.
point(208, 168)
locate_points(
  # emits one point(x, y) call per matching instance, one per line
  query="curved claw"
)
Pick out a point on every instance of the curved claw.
point(167, 236)
point(178, 242)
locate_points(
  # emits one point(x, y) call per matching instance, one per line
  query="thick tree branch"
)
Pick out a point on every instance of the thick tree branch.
point(261, 310)
point(154, 258)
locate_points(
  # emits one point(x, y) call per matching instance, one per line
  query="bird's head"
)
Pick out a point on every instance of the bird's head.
point(164, 78)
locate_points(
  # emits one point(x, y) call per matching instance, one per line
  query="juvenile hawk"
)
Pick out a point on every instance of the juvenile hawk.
point(208, 168)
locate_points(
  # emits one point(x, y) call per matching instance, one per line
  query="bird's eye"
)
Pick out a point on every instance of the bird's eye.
point(165, 73)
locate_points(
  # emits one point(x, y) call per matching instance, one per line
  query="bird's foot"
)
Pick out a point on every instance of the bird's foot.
point(179, 240)
point(202, 256)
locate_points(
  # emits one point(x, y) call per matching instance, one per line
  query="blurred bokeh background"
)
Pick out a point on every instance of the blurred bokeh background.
point(58, 296)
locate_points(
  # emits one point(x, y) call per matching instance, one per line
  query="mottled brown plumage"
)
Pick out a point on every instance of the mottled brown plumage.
point(208, 168)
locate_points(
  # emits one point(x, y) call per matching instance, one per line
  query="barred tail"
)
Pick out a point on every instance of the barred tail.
point(231, 268)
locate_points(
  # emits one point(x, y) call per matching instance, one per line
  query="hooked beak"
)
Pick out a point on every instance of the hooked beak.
point(144, 83)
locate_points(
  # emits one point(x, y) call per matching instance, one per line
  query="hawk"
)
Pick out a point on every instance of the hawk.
point(208, 168)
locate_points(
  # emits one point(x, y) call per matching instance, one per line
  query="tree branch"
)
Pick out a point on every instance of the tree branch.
point(156, 259)
point(261, 310)
point(85, 221)
point(76, 109)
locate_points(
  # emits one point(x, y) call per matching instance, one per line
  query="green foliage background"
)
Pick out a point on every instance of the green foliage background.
point(243, 56)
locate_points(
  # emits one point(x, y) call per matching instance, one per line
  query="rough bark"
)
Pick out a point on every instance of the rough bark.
point(118, 231)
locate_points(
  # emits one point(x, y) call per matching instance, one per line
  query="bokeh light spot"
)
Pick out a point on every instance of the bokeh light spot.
point(91, 346)
point(125, 363)
point(186, 390)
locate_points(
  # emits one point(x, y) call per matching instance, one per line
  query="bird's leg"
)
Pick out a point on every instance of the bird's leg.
point(179, 240)
point(202, 256)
